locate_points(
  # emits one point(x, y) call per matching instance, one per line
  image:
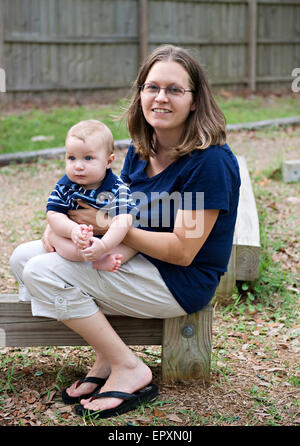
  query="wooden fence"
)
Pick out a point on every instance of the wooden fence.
point(80, 45)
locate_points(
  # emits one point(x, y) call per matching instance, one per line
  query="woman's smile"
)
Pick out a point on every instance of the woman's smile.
point(161, 110)
point(165, 112)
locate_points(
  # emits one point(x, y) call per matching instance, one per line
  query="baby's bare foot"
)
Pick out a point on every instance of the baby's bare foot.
point(86, 236)
point(109, 262)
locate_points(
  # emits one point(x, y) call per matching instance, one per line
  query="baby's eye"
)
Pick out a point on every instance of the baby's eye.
point(88, 158)
point(72, 158)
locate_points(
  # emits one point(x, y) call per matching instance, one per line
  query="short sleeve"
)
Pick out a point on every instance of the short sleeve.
point(210, 183)
point(56, 201)
point(119, 201)
point(126, 169)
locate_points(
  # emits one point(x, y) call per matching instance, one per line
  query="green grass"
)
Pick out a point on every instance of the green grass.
point(18, 129)
point(238, 110)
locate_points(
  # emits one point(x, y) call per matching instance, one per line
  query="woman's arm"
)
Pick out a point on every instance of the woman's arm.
point(180, 246)
point(90, 216)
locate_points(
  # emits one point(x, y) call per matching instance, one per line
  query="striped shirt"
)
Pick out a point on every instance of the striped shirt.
point(112, 197)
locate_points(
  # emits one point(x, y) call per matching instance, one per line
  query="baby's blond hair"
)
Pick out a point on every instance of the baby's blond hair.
point(83, 129)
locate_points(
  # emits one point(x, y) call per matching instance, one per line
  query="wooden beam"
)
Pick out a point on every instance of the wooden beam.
point(291, 171)
point(247, 237)
point(187, 342)
point(19, 328)
point(1, 37)
point(2, 66)
point(227, 283)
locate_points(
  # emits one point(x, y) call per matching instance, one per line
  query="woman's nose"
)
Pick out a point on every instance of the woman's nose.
point(161, 95)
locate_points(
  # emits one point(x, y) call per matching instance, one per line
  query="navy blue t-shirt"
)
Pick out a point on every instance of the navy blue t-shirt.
point(213, 174)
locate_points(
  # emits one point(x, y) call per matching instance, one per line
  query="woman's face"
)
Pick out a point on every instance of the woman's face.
point(166, 112)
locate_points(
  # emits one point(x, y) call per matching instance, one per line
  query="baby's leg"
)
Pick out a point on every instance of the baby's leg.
point(66, 248)
point(114, 258)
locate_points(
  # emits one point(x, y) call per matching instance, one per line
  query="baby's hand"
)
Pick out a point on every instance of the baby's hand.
point(95, 250)
point(81, 235)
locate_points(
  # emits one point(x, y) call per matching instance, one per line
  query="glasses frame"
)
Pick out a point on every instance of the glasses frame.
point(141, 87)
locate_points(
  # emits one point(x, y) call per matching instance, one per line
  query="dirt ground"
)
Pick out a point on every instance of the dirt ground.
point(255, 359)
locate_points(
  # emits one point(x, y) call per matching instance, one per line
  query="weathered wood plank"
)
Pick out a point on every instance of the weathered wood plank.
point(291, 171)
point(252, 45)
point(247, 237)
point(227, 283)
point(19, 328)
point(187, 342)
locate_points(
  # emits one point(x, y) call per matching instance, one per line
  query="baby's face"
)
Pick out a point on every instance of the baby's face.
point(86, 162)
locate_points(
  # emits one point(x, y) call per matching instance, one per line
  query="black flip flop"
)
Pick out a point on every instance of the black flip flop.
point(132, 401)
point(67, 399)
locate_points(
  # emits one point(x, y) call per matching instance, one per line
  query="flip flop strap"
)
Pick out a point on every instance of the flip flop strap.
point(114, 394)
point(90, 379)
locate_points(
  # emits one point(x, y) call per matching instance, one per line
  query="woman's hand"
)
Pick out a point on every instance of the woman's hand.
point(45, 239)
point(90, 216)
point(179, 247)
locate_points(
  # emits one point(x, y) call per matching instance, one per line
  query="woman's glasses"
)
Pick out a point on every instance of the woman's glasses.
point(172, 91)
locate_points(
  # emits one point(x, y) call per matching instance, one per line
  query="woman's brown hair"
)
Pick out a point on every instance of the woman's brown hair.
point(204, 127)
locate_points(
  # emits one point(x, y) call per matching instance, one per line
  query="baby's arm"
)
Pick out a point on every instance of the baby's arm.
point(112, 238)
point(64, 227)
point(60, 223)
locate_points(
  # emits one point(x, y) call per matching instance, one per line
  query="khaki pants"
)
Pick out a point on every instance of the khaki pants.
point(62, 289)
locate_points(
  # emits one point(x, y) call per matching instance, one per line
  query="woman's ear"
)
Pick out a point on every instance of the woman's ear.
point(193, 106)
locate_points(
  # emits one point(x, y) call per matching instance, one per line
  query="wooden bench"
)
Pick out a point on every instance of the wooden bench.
point(186, 341)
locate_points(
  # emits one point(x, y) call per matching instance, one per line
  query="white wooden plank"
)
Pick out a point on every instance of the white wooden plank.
point(247, 236)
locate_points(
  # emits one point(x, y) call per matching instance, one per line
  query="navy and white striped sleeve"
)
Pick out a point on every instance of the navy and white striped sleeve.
point(60, 199)
point(120, 201)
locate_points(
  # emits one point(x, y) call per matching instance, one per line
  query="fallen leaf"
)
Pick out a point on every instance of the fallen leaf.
point(49, 397)
point(174, 417)
point(158, 413)
point(264, 181)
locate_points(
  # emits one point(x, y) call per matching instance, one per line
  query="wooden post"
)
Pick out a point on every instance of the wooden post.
point(186, 351)
point(143, 30)
point(227, 283)
point(252, 14)
point(2, 71)
point(1, 38)
point(247, 234)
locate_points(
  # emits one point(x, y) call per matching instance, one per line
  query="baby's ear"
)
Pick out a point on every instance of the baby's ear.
point(110, 160)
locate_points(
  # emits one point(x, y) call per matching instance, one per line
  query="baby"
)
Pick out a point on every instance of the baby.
point(89, 155)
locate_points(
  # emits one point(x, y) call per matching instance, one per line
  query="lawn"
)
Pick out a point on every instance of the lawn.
point(41, 128)
point(255, 360)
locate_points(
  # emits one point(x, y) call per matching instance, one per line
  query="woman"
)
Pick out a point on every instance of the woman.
point(178, 155)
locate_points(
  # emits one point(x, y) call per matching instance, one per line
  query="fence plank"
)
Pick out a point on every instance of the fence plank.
point(252, 44)
point(53, 45)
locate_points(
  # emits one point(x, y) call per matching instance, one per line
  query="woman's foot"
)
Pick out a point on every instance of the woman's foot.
point(100, 369)
point(109, 262)
point(122, 379)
